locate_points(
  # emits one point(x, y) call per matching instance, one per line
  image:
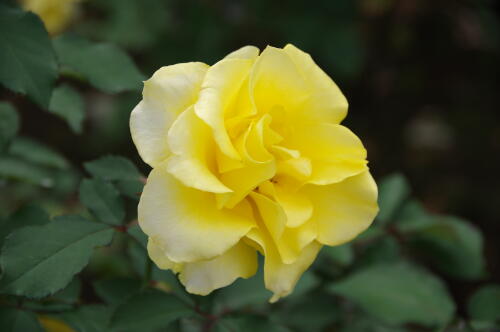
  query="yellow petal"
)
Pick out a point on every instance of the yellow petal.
point(255, 141)
point(275, 81)
point(281, 278)
point(220, 86)
point(285, 153)
point(246, 52)
point(205, 276)
point(297, 206)
point(345, 209)
point(243, 180)
point(166, 94)
point(158, 256)
point(272, 214)
point(326, 102)
point(289, 242)
point(186, 222)
point(298, 168)
point(193, 163)
point(258, 164)
point(226, 164)
point(335, 152)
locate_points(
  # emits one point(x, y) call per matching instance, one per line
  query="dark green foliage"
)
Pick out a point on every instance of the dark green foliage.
point(105, 66)
point(103, 200)
point(29, 215)
point(69, 105)
point(28, 63)
point(89, 318)
point(113, 168)
point(398, 294)
point(36, 266)
point(149, 310)
point(37, 153)
point(484, 304)
point(9, 124)
point(393, 190)
point(451, 245)
point(16, 320)
point(116, 290)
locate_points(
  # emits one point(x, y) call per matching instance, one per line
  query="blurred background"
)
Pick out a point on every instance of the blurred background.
point(421, 77)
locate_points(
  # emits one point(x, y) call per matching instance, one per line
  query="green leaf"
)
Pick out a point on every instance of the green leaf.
point(130, 188)
point(243, 293)
point(131, 24)
point(117, 290)
point(166, 279)
point(63, 300)
point(451, 245)
point(9, 123)
point(393, 191)
point(484, 305)
point(398, 294)
point(70, 294)
point(28, 63)
point(366, 324)
point(307, 282)
point(482, 326)
point(37, 153)
point(309, 313)
point(36, 266)
point(15, 320)
point(103, 200)
point(105, 66)
point(248, 323)
point(89, 318)
point(151, 309)
point(18, 169)
point(136, 232)
point(113, 168)
point(413, 217)
point(67, 103)
point(28, 215)
point(342, 255)
point(385, 250)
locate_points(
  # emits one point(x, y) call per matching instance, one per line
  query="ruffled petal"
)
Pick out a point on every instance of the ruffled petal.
point(258, 165)
point(246, 52)
point(193, 163)
point(298, 208)
point(276, 82)
point(158, 256)
point(289, 242)
point(272, 214)
point(326, 102)
point(279, 277)
point(205, 276)
point(243, 180)
point(166, 94)
point(335, 152)
point(343, 210)
point(185, 222)
point(221, 85)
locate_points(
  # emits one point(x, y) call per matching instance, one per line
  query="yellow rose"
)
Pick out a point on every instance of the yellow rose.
point(248, 155)
point(55, 14)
